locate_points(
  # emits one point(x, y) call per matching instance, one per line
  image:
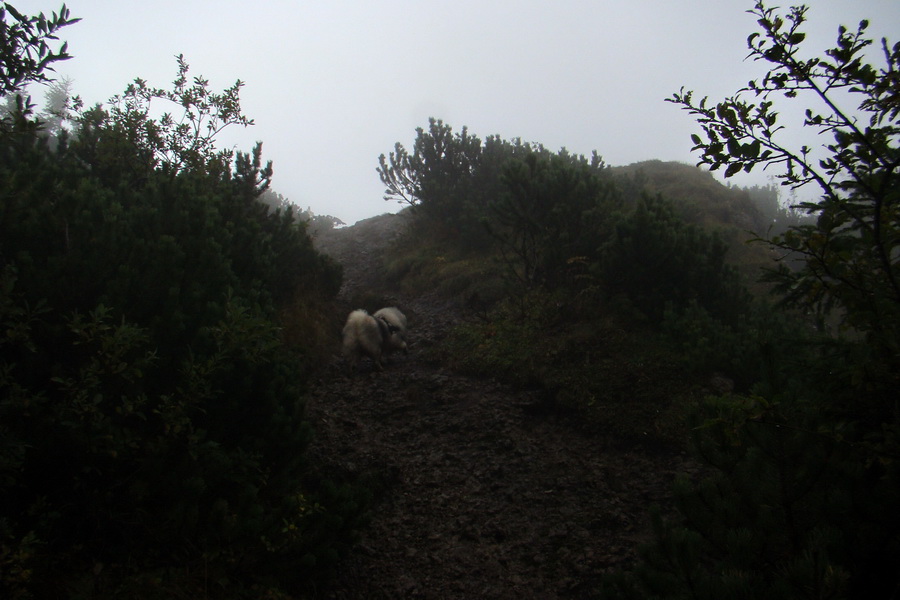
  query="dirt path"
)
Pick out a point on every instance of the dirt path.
point(489, 492)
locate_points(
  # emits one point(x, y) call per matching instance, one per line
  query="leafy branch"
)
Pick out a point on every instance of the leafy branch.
point(25, 53)
point(851, 254)
point(185, 141)
point(400, 173)
point(429, 175)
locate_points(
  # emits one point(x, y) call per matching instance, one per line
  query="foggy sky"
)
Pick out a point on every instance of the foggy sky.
point(332, 84)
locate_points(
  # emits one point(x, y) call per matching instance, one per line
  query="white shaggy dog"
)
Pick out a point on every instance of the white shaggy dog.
point(394, 317)
point(372, 336)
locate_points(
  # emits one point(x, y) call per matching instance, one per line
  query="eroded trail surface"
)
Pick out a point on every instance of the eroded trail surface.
point(488, 493)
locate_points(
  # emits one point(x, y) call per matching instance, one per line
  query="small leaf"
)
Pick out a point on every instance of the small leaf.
point(752, 149)
point(731, 117)
point(734, 148)
point(732, 169)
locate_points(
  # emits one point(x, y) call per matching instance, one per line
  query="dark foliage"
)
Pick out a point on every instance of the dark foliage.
point(25, 54)
point(450, 179)
point(551, 217)
point(804, 481)
point(151, 410)
point(657, 261)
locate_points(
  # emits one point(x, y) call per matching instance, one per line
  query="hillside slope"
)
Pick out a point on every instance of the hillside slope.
point(701, 198)
point(485, 491)
point(703, 201)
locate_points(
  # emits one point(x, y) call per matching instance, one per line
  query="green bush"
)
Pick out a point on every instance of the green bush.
point(803, 483)
point(791, 510)
point(625, 384)
point(655, 260)
point(551, 217)
point(151, 377)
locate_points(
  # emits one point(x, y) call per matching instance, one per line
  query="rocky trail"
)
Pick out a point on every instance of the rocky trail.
point(488, 491)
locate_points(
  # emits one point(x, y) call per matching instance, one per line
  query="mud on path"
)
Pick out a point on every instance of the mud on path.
point(488, 491)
